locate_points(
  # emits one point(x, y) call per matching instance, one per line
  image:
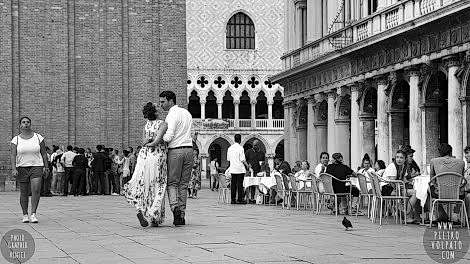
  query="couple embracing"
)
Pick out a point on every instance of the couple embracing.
point(163, 164)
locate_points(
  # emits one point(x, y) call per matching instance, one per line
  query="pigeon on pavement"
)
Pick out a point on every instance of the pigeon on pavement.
point(347, 223)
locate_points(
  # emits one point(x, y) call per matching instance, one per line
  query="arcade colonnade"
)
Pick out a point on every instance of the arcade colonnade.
point(420, 105)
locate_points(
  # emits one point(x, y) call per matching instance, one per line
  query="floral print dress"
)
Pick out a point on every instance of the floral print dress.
point(195, 181)
point(146, 190)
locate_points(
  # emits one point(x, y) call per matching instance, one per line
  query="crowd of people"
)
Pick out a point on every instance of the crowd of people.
point(78, 171)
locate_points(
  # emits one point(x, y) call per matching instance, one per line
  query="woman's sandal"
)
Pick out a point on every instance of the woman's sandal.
point(142, 220)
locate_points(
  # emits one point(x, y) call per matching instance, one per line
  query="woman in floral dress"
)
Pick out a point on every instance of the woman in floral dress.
point(195, 181)
point(146, 190)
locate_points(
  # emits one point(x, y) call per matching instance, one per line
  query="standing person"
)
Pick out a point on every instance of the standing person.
point(67, 159)
point(46, 182)
point(254, 157)
point(80, 164)
point(88, 185)
point(98, 166)
point(126, 171)
point(55, 167)
point(29, 165)
point(237, 168)
point(132, 161)
point(116, 172)
point(214, 167)
point(146, 189)
point(180, 154)
point(195, 182)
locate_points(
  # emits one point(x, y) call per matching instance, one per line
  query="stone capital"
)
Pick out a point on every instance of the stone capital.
point(202, 101)
point(413, 72)
point(355, 86)
point(381, 80)
point(253, 101)
point(319, 97)
point(300, 3)
point(343, 90)
point(332, 94)
point(451, 61)
point(236, 101)
point(311, 100)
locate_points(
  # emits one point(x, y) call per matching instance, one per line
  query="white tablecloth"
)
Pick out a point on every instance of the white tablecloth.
point(421, 185)
point(263, 183)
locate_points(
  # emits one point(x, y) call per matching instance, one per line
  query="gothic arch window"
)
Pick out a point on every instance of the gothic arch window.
point(240, 32)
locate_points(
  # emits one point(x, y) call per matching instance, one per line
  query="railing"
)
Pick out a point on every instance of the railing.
point(244, 124)
point(381, 21)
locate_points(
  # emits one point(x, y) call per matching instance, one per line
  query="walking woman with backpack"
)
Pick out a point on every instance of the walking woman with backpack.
point(29, 166)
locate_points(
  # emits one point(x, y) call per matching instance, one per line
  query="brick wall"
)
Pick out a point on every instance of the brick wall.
point(83, 69)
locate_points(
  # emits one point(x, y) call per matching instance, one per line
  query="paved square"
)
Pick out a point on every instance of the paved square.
point(104, 229)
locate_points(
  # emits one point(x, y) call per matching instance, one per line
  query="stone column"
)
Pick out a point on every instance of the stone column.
point(382, 120)
point(454, 108)
point(397, 132)
point(270, 113)
point(367, 134)
point(236, 104)
point(331, 122)
point(415, 117)
point(314, 20)
point(203, 109)
point(431, 133)
point(270, 158)
point(294, 150)
point(311, 135)
point(466, 120)
point(219, 110)
point(253, 114)
point(287, 127)
point(298, 25)
point(355, 127)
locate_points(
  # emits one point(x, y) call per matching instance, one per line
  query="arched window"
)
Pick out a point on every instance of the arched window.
point(240, 32)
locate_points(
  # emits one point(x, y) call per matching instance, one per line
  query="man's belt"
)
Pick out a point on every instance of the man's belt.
point(182, 147)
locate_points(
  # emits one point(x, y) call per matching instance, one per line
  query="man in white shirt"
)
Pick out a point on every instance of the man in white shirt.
point(237, 168)
point(66, 160)
point(180, 154)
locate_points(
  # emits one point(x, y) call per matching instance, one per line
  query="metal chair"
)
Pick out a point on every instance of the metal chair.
point(327, 180)
point(300, 193)
point(448, 187)
point(378, 197)
point(224, 192)
point(364, 192)
point(281, 190)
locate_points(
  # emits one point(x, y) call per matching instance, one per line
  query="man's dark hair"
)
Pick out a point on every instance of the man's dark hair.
point(169, 95)
point(325, 153)
point(400, 151)
point(69, 148)
point(381, 164)
point(99, 147)
point(55, 148)
point(445, 149)
point(466, 149)
point(238, 138)
point(81, 151)
point(125, 152)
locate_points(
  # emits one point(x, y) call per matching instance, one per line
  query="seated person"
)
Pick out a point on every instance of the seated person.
point(467, 177)
point(379, 167)
point(445, 163)
point(304, 174)
point(342, 172)
point(366, 170)
point(297, 166)
point(321, 168)
point(394, 171)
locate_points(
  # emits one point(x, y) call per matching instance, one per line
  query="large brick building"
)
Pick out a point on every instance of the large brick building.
point(83, 69)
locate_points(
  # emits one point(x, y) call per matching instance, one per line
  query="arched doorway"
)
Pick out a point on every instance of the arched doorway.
point(194, 105)
point(211, 105)
point(399, 116)
point(261, 106)
point(343, 128)
point(435, 114)
point(228, 109)
point(218, 149)
point(245, 106)
point(279, 152)
point(278, 108)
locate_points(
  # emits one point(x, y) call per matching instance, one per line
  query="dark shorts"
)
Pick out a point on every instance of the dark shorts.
point(25, 174)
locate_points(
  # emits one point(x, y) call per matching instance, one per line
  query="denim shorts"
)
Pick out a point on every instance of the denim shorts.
point(25, 174)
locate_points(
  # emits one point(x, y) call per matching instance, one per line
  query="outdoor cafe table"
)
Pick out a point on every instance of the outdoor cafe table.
point(263, 183)
point(421, 185)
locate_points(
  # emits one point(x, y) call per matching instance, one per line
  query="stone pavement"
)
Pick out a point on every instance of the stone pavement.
point(104, 229)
